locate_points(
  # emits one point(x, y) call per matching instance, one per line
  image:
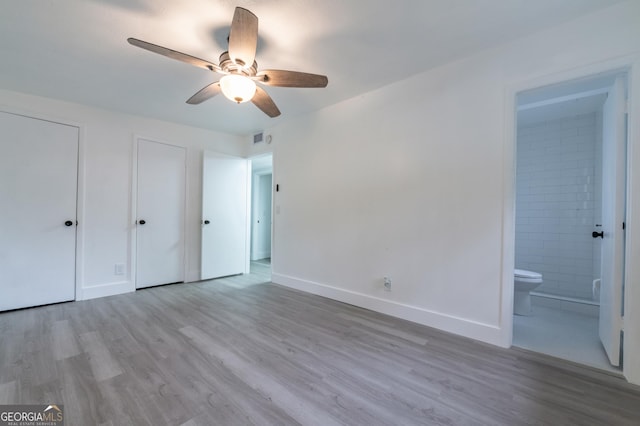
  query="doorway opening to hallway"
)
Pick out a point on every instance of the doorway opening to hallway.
point(261, 213)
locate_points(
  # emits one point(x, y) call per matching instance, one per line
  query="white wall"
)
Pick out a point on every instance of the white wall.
point(106, 167)
point(556, 203)
point(415, 181)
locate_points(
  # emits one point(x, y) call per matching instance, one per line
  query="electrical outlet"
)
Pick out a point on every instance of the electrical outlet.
point(387, 284)
point(118, 269)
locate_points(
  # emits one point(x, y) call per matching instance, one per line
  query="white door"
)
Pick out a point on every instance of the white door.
point(224, 215)
point(160, 225)
point(263, 220)
point(38, 193)
point(613, 207)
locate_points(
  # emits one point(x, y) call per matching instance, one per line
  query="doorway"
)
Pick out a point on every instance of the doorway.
point(570, 206)
point(261, 213)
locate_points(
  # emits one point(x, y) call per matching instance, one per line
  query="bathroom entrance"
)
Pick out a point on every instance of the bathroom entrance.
point(570, 219)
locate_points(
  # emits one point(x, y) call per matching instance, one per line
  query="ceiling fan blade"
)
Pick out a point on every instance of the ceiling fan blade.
point(174, 54)
point(282, 78)
point(205, 93)
point(263, 101)
point(243, 37)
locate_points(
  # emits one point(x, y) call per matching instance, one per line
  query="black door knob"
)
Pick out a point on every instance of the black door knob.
point(68, 223)
point(206, 222)
point(595, 234)
point(141, 222)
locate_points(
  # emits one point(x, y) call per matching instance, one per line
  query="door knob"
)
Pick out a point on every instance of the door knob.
point(595, 234)
point(141, 222)
point(206, 222)
point(68, 223)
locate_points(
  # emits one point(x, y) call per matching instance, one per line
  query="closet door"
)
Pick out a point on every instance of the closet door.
point(38, 193)
point(160, 236)
point(224, 215)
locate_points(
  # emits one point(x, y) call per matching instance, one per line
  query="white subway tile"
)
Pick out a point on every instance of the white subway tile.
point(558, 187)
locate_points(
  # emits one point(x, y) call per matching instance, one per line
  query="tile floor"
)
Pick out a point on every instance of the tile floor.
point(563, 334)
point(266, 261)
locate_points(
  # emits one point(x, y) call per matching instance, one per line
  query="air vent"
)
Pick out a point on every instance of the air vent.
point(258, 137)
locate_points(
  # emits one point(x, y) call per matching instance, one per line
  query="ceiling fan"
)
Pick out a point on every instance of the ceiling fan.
point(239, 68)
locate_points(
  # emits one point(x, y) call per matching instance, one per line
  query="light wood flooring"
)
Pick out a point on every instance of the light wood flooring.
point(242, 351)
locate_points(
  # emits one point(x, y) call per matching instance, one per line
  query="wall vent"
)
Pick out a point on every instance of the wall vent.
point(258, 137)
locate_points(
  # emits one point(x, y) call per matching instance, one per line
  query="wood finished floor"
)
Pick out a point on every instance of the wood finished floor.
point(242, 351)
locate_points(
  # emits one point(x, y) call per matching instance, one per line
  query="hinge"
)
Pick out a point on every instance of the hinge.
point(624, 225)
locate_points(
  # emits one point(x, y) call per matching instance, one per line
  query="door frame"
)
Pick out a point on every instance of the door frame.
point(80, 186)
point(631, 66)
point(133, 210)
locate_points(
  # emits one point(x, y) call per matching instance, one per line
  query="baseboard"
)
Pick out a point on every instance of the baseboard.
point(109, 289)
point(460, 326)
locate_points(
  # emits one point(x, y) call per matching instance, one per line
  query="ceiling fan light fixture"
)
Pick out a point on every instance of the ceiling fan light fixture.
point(240, 69)
point(237, 88)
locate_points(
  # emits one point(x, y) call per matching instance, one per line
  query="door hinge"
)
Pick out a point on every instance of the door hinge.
point(624, 225)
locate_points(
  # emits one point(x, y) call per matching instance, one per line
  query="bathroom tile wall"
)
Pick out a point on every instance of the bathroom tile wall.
point(557, 203)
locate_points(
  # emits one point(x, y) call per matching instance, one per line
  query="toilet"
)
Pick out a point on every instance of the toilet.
point(523, 283)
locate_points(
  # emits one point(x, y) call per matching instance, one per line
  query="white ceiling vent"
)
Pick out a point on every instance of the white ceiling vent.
point(258, 137)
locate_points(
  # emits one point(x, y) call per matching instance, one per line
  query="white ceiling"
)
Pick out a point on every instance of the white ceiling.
point(568, 99)
point(561, 109)
point(76, 50)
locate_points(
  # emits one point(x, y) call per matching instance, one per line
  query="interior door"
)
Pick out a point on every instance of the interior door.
point(38, 191)
point(224, 215)
point(613, 211)
point(160, 225)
